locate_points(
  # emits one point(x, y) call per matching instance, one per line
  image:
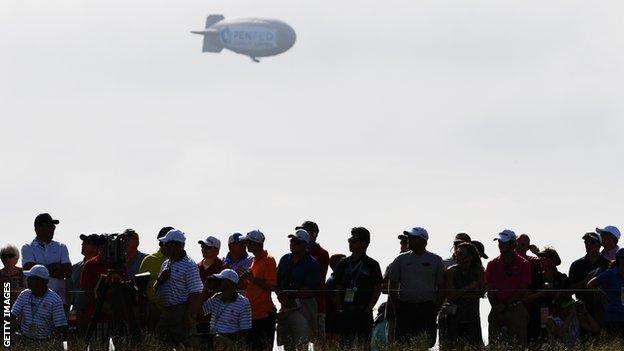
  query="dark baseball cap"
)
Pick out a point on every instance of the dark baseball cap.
point(45, 218)
point(94, 239)
point(309, 227)
point(480, 248)
point(163, 231)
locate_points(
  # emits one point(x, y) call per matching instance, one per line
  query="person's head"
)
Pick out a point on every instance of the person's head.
point(10, 255)
point(507, 241)
point(161, 234)
point(254, 241)
point(90, 245)
point(467, 254)
point(173, 242)
point(359, 240)
point(210, 248)
point(480, 248)
point(417, 239)
point(236, 245)
point(312, 229)
point(45, 226)
point(549, 258)
point(593, 243)
point(404, 242)
point(37, 278)
point(299, 241)
point(523, 244)
point(334, 260)
point(609, 235)
point(461, 238)
point(131, 240)
point(228, 280)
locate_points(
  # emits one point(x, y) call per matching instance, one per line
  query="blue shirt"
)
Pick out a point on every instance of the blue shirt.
point(132, 267)
point(303, 274)
point(612, 283)
point(39, 315)
point(242, 263)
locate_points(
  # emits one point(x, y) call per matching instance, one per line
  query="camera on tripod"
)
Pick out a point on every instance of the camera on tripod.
point(115, 251)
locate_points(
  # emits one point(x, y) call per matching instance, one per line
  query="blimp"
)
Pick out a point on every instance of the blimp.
point(254, 37)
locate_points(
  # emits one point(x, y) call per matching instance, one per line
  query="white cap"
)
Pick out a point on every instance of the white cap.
point(173, 235)
point(610, 230)
point(417, 232)
point(255, 235)
point(38, 271)
point(235, 238)
point(211, 241)
point(301, 234)
point(227, 274)
point(506, 236)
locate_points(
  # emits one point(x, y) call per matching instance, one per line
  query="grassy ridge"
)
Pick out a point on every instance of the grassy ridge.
point(151, 342)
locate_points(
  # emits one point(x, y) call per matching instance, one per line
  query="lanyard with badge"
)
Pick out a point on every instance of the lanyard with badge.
point(354, 272)
point(32, 327)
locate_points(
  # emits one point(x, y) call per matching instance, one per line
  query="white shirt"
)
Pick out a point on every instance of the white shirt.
point(183, 281)
point(39, 252)
point(228, 317)
point(45, 313)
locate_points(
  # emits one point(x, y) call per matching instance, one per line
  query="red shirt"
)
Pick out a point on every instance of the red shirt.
point(216, 267)
point(89, 277)
point(322, 257)
point(517, 275)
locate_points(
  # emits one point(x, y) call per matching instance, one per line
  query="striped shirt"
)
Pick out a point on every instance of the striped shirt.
point(183, 281)
point(39, 315)
point(228, 317)
point(39, 252)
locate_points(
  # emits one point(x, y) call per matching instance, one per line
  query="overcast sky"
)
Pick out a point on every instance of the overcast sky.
point(455, 116)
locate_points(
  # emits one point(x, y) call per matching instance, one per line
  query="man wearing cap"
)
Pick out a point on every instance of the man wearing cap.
point(47, 252)
point(507, 277)
point(134, 257)
point(586, 268)
point(262, 280)
point(322, 257)
point(209, 265)
point(89, 249)
point(298, 277)
point(38, 309)
point(179, 288)
point(237, 257)
point(610, 236)
point(358, 287)
point(229, 311)
point(152, 263)
point(416, 279)
point(523, 247)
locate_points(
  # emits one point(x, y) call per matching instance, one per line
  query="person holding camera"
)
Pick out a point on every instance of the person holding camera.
point(569, 320)
point(539, 300)
point(179, 288)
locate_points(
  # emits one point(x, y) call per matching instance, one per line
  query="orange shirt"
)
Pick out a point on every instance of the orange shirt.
point(262, 267)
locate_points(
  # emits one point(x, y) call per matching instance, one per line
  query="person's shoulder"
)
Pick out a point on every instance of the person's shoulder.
point(141, 255)
point(53, 296)
point(371, 261)
point(58, 243)
point(578, 261)
point(434, 256)
point(242, 299)
point(24, 294)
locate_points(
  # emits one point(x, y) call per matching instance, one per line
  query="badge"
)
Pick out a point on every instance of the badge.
point(32, 328)
point(349, 295)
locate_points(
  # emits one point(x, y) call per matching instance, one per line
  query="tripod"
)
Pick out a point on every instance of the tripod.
point(123, 297)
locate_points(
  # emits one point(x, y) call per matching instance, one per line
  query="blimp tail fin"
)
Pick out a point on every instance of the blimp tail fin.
point(213, 19)
point(212, 42)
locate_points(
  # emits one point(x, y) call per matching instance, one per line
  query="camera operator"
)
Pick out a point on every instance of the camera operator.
point(134, 257)
point(92, 270)
point(179, 287)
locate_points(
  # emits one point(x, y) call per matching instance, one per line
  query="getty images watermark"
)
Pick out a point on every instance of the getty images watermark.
point(6, 314)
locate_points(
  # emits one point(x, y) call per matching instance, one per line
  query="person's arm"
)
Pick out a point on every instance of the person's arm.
point(587, 322)
point(28, 258)
point(376, 287)
point(338, 285)
point(60, 321)
point(163, 275)
point(439, 298)
point(195, 288)
point(194, 303)
point(593, 283)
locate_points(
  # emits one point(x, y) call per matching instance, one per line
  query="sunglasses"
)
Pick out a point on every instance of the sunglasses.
point(10, 255)
point(297, 242)
point(591, 242)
